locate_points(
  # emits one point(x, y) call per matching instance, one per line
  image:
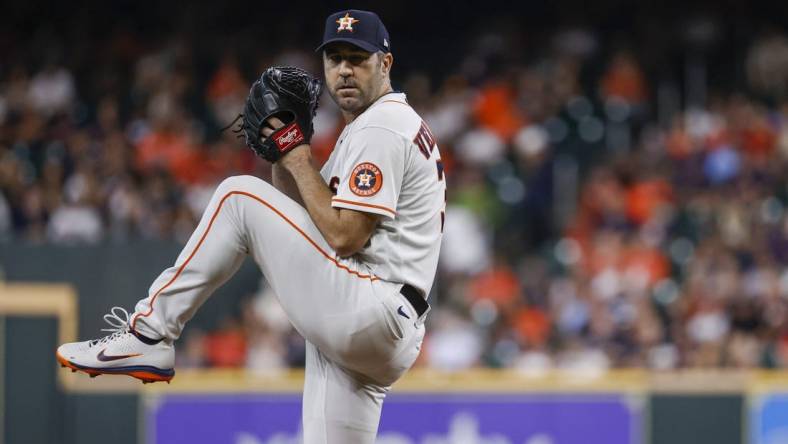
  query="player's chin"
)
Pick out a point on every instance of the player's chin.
point(348, 103)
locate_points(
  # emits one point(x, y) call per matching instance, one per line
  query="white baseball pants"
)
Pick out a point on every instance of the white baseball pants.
point(357, 344)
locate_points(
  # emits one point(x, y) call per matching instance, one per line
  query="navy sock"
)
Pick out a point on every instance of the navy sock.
point(146, 339)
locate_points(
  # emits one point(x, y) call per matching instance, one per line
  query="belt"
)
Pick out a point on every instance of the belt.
point(415, 298)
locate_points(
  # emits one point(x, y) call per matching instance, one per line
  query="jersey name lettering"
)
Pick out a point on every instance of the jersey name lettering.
point(425, 140)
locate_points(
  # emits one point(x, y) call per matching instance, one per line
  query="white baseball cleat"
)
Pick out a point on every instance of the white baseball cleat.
point(124, 352)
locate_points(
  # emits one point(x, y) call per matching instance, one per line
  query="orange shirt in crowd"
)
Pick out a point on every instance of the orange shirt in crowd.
point(624, 79)
point(226, 80)
point(495, 110)
point(158, 149)
point(190, 167)
point(758, 140)
point(645, 198)
point(499, 284)
point(190, 164)
point(648, 260)
point(226, 348)
point(533, 325)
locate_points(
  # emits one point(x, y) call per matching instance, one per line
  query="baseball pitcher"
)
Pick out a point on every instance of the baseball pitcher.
point(350, 250)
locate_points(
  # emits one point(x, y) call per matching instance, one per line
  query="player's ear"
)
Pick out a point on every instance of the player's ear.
point(387, 60)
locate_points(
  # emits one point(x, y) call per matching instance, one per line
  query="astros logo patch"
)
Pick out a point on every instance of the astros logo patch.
point(366, 179)
point(346, 22)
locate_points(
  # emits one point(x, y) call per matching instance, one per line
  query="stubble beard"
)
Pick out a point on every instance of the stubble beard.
point(356, 103)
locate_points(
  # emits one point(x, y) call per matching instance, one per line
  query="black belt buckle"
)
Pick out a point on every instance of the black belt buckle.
point(415, 298)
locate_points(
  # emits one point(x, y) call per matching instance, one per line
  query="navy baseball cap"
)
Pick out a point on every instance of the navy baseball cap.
point(361, 28)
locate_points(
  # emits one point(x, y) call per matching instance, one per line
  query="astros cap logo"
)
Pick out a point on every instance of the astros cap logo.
point(366, 179)
point(346, 22)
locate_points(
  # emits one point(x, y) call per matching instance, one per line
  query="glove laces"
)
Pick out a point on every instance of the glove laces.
point(237, 130)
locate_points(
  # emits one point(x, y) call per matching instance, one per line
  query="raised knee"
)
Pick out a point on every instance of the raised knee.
point(242, 183)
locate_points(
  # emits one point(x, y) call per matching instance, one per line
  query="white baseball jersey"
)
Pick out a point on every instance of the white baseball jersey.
point(386, 162)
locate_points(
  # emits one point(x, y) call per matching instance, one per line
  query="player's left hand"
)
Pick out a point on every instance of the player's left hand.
point(297, 156)
point(271, 125)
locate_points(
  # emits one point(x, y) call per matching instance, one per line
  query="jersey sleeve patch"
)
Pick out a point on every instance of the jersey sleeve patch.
point(366, 179)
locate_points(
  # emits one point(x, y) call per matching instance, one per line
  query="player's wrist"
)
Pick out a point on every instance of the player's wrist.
point(297, 158)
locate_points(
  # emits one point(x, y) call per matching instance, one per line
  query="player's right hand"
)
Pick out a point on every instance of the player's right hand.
point(285, 99)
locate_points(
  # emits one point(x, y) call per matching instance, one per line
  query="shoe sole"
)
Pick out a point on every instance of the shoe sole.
point(144, 373)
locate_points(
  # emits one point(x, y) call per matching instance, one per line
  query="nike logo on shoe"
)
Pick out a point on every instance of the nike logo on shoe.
point(402, 312)
point(107, 358)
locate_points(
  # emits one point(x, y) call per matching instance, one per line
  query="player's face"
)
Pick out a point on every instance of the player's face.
point(354, 77)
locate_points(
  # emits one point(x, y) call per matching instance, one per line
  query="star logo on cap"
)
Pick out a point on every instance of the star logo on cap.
point(346, 22)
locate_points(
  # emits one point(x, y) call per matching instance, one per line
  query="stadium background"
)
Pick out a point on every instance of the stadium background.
point(616, 239)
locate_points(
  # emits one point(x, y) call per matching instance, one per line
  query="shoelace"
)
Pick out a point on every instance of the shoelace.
point(120, 325)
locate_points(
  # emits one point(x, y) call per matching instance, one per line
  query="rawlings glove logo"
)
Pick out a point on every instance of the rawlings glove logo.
point(288, 137)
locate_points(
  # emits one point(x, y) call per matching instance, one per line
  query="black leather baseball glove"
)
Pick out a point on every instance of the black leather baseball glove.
point(289, 94)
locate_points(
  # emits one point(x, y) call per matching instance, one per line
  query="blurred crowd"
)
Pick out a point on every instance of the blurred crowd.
point(592, 222)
